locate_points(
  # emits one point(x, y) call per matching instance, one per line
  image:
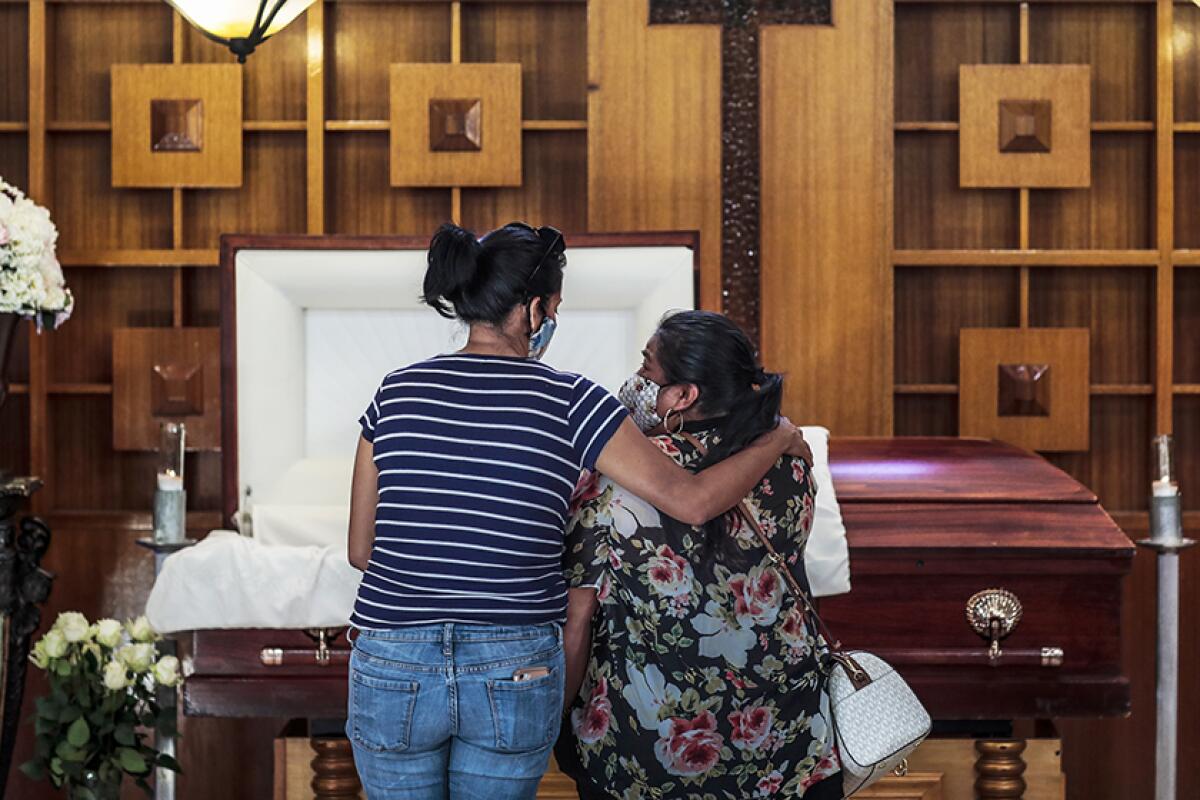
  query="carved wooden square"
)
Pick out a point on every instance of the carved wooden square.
point(1026, 386)
point(455, 124)
point(162, 374)
point(177, 389)
point(1023, 390)
point(1025, 125)
point(176, 125)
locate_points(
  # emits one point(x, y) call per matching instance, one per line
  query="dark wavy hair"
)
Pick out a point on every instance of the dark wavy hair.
point(708, 350)
point(483, 279)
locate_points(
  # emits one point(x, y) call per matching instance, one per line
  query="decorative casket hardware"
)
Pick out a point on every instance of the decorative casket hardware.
point(994, 615)
point(322, 656)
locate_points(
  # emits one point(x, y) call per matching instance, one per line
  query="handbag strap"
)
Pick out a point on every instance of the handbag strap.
point(780, 563)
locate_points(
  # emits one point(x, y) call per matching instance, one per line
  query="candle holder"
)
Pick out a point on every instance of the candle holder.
point(170, 498)
point(1166, 540)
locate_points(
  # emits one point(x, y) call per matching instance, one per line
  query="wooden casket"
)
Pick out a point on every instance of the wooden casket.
point(931, 523)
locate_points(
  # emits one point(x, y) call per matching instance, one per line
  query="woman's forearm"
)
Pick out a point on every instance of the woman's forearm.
point(632, 461)
point(577, 640)
point(364, 501)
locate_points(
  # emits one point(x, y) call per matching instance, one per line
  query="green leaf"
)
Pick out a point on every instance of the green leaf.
point(168, 762)
point(131, 760)
point(124, 735)
point(34, 770)
point(79, 733)
point(67, 752)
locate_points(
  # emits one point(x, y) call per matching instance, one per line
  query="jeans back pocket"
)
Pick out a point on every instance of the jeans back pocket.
point(381, 712)
point(526, 713)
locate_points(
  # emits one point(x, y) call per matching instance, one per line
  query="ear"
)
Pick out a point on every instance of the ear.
point(536, 313)
point(688, 395)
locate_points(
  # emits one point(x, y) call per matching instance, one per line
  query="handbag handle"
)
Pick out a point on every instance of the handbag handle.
point(781, 565)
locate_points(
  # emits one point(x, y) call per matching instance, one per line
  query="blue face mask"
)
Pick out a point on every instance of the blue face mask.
point(539, 340)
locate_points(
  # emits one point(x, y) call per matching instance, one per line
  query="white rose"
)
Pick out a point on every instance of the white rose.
point(108, 632)
point(140, 630)
point(166, 671)
point(138, 657)
point(115, 677)
point(55, 643)
point(74, 626)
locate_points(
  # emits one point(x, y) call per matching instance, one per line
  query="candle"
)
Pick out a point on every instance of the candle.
point(170, 482)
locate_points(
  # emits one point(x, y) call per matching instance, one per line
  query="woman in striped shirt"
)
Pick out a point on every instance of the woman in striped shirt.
point(459, 506)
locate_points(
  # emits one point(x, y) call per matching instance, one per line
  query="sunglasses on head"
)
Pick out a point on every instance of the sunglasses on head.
point(550, 237)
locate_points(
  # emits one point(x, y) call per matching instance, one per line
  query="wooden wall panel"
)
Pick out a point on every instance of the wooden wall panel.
point(91, 215)
point(81, 432)
point(271, 199)
point(14, 158)
point(927, 414)
point(826, 221)
point(14, 64)
point(87, 39)
point(357, 176)
point(933, 40)
point(1187, 431)
point(1116, 39)
point(14, 442)
point(1116, 212)
point(544, 39)
point(932, 212)
point(362, 39)
point(273, 84)
point(1187, 326)
point(81, 352)
point(1187, 62)
point(933, 304)
point(1121, 428)
point(1187, 190)
point(201, 298)
point(1117, 305)
point(551, 160)
point(654, 123)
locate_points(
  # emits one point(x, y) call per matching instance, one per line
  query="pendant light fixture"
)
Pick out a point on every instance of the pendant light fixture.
point(240, 25)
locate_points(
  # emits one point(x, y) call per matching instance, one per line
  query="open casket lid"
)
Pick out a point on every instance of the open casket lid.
point(311, 324)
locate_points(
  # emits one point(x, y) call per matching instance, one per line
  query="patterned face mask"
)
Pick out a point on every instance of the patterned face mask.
point(640, 396)
point(540, 339)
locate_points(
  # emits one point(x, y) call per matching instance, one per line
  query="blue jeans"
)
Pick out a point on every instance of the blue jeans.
point(435, 713)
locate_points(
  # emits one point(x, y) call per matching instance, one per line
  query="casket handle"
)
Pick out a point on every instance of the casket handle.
point(322, 656)
point(973, 657)
point(994, 614)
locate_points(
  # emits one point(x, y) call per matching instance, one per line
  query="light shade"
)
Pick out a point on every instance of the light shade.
point(241, 25)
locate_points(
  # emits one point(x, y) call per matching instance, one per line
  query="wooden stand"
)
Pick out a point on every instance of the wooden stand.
point(1001, 769)
point(334, 776)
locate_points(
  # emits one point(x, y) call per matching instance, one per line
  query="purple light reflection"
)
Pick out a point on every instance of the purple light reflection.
point(891, 468)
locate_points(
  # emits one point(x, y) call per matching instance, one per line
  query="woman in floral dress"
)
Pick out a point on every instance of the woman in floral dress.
point(702, 677)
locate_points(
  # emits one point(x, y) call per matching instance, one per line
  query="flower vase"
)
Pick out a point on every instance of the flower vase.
point(8, 334)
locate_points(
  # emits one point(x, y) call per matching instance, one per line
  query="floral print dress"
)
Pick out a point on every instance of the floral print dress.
point(697, 689)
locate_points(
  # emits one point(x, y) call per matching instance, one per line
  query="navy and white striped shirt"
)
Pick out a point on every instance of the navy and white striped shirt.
point(477, 458)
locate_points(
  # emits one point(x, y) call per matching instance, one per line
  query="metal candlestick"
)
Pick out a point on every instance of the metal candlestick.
point(1166, 540)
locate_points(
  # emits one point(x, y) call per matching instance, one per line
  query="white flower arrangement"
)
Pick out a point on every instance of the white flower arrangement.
point(31, 279)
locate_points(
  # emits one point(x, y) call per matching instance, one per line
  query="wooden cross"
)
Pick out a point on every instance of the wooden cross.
point(740, 21)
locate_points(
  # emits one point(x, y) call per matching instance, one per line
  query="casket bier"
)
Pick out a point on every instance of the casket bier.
point(934, 524)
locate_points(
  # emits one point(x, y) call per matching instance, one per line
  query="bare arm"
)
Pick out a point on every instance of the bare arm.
point(577, 639)
point(636, 463)
point(364, 497)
